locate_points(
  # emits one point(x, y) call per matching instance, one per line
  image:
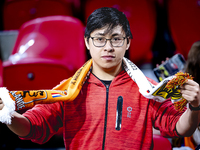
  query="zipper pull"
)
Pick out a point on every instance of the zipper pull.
point(119, 113)
point(107, 88)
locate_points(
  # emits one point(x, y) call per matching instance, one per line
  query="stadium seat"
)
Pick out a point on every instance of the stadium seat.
point(183, 21)
point(34, 74)
point(142, 18)
point(17, 12)
point(47, 50)
point(53, 37)
point(161, 143)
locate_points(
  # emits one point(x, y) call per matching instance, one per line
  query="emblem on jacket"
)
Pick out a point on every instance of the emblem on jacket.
point(129, 109)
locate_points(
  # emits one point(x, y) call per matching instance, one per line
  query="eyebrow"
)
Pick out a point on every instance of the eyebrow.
point(102, 34)
point(116, 34)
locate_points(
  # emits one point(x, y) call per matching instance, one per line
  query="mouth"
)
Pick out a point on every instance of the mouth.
point(108, 57)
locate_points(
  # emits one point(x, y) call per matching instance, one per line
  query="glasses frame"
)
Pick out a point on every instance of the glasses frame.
point(106, 42)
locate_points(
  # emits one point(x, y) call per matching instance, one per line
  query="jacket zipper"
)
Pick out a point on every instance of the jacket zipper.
point(106, 113)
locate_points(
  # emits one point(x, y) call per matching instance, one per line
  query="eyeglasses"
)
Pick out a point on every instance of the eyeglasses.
point(101, 41)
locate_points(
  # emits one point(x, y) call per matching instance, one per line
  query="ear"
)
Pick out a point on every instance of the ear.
point(86, 43)
point(129, 43)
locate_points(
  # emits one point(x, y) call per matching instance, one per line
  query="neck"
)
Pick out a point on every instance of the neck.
point(106, 73)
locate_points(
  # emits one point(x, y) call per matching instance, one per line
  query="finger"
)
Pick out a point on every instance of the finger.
point(189, 97)
point(189, 88)
point(1, 102)
point(191, 82)
point(190, 85)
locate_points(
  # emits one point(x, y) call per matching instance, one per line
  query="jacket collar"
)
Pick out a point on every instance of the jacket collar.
point(121, 78)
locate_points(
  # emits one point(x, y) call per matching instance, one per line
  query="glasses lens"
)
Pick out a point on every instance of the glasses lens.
point(117, 41)
point(99, 41)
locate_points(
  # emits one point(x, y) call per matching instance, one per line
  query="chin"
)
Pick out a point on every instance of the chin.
point(109, 66)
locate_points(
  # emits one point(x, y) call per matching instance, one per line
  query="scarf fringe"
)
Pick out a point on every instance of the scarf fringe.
point(9, 106)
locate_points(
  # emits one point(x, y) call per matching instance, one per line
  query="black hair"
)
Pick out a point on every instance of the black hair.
point(107, 16)
point(193, 62)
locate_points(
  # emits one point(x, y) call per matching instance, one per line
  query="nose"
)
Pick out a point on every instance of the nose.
point(108, 45)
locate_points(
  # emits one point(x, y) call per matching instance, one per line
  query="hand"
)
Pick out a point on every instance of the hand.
point(191, 92)
point(162, 62)
point(1, 104)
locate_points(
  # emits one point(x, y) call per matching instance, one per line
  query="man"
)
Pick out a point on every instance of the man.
point(109, 112)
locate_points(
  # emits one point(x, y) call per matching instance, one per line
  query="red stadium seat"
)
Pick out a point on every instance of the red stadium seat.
point(161, 143)
point(142, 18)
point(34, 74)
point(184, 20)
point(17, 12)
point(47, 50)
point(53, 37)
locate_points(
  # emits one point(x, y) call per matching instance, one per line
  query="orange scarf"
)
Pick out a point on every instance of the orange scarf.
point(65, 91)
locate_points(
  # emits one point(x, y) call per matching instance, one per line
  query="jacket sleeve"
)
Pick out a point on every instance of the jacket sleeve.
point(45, 121)
point(165, 117)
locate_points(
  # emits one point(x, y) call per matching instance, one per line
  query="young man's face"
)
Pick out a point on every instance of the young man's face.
point(110, 56)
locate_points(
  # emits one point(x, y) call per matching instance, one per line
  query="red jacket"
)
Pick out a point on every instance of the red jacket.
point(89, 121)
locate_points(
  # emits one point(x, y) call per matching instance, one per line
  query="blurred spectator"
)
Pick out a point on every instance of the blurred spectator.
point(193, 68)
